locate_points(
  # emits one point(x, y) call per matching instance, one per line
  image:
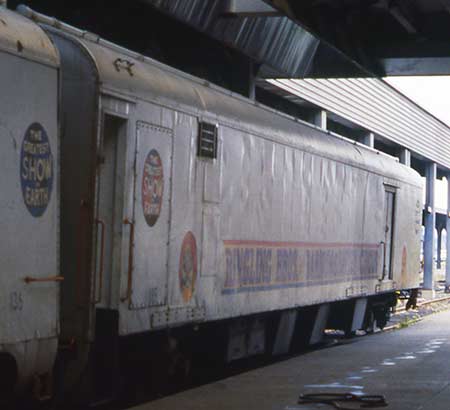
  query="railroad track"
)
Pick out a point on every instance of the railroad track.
point(402, 317)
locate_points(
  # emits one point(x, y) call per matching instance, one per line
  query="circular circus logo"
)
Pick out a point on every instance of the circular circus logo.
point(36, 169)
point(188, 266)
point(152, 187)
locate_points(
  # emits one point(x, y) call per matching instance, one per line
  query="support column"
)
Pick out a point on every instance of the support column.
point(320, 119)
point(358, 314)
point(285, 332)
point(405, 157)
point(320, 324)
point(369, 139)
point(430, 222)
point(253, 69)
point(447, 261)
point(439, 243)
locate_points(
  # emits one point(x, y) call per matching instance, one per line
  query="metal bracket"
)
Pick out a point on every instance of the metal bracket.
point(356, 291)
point(29, 279)
point(120, 63)
point(177, 315)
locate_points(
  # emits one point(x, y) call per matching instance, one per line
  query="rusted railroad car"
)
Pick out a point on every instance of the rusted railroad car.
point(193, 219)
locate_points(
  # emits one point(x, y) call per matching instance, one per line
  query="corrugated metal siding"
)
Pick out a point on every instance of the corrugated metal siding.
point(279, 42)
point(282, 46)
point(374, 105)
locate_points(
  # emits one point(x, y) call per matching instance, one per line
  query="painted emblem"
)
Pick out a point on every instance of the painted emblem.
point(188, 266)
point(152, 187)
point(36, 169)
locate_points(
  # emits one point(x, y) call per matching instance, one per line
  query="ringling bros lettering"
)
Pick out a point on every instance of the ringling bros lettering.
point(257, 266)
point(36, 169)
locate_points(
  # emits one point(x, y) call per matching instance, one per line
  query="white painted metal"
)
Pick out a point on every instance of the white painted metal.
point(405, 157)
point(286, 216)
point(320, 119)
point(278, 188)
point(29, 243)
point(150, 241)
point(369, 139)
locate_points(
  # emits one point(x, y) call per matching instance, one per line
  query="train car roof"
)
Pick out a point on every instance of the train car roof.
point(134, 76)
point(21, 37)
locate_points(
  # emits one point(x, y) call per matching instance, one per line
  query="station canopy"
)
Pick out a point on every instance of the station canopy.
point(327, 38)
point(330, 54)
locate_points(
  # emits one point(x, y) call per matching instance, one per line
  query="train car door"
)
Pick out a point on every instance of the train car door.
point(110, 204)
point(388, 231)
point(147, 285)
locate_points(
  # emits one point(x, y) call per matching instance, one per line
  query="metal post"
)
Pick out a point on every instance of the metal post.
point(369, 139)
point(430, 222)
point(252, 81)
point(447, 263)
point(320, 119)
point(439, 244)
point(320, 324)
point(251, 8)
point(405, 157)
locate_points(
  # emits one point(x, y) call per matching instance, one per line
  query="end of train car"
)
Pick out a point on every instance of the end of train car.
point(29, 203)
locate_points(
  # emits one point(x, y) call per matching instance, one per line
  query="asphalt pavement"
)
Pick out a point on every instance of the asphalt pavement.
point(409, 366)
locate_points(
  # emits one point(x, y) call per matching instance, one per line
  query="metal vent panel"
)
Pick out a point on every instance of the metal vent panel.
point(207, 140)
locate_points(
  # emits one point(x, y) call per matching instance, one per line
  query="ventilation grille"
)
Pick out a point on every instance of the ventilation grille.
point(207, 140)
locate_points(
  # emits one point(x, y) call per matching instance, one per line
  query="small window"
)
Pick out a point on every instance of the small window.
point(207, 140)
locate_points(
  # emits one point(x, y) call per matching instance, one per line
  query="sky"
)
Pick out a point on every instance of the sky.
point(432, 94)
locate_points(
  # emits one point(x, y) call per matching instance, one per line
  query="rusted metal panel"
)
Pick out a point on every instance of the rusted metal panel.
point(376, 106)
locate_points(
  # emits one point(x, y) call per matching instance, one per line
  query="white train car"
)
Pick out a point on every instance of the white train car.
point(29, 206)
point(184, 206)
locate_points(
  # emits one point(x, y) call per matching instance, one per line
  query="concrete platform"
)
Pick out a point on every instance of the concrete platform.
point(410, 367)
